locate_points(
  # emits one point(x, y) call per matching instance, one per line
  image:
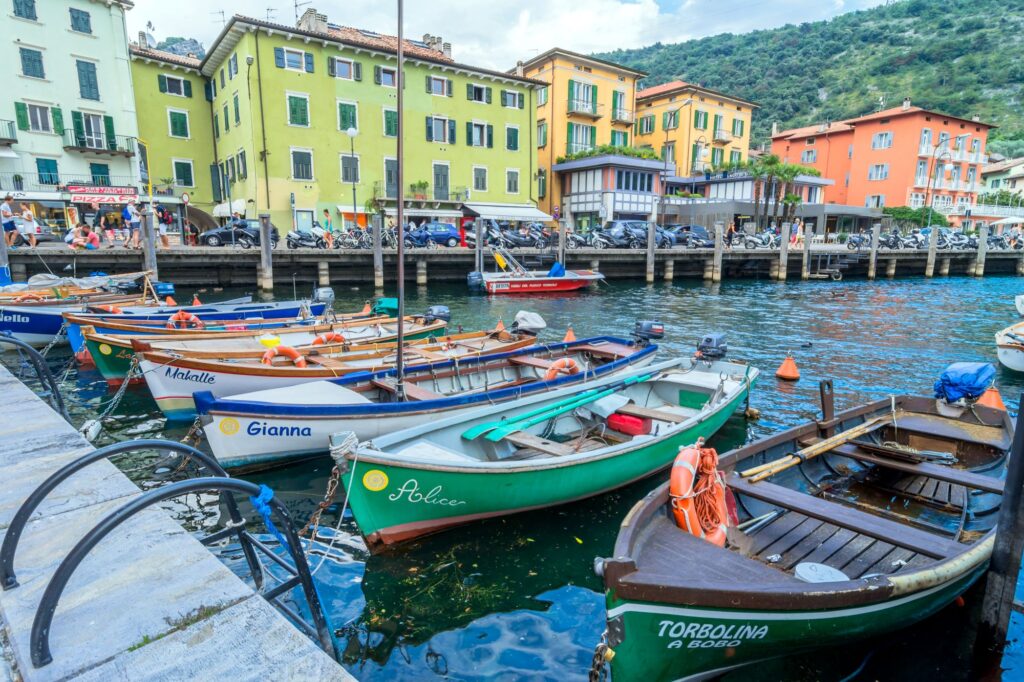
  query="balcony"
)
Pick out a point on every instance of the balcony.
point(577, 147)
point(56, 182)
point(723, 135)
point(588, 108)
point(920, 182)
point(386, 192)
point(8, 132)
point(117, 145)
point(622, 116)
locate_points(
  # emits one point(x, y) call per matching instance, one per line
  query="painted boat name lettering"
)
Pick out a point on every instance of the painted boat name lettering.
point(13, 317)
point(708, 636)
point(187, 375)
point(411, 489)
point(264, 429)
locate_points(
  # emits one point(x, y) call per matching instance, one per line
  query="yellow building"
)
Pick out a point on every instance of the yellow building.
point(588, 103)
point(691, 127)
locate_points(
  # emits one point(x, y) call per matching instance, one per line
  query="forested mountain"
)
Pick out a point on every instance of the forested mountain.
point(963, 57)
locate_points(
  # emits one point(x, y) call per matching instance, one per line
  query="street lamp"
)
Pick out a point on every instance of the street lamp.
point(702, 155)
point(352, 132)
point(933, 239)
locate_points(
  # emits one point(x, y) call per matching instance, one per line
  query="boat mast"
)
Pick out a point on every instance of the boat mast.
point(399, 211)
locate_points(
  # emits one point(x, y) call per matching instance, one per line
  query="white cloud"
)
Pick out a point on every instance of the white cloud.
point(495, 34)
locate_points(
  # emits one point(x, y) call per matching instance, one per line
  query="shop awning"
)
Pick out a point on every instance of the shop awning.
point(225, 210)
point(426, 213)
point(201, 219)
point(1008, 221)
point(524, 212)
point(347, 208)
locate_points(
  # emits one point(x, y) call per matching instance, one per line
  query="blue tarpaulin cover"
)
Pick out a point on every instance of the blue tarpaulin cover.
point(964, 380)
point(557, 270)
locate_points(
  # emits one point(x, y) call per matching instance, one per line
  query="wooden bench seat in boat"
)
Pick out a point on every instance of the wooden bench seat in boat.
point(426, 354)
point(530, 361)
point(610, 350)
point(648, 413)
point(550, 447)
point(936, 471)
point(841, 515)
point(412, 391)
point(324, 361)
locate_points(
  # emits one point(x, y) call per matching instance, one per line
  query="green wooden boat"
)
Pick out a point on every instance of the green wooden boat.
point(884, 518)
point(540, 451)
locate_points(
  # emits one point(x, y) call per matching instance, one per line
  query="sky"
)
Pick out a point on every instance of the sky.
point(496, 33)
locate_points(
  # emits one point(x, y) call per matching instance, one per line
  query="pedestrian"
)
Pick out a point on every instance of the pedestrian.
point(135, 224)
point(730, 235)
point(191, 233)
point(164, 219)
point(28, 227)
point(7, 219)
point(328, 227)
point(794, 232)
point(86, 239)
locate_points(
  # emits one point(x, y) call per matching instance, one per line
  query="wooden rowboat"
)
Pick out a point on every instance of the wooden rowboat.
point(541, 451)
point(884, 516)
point(1010, 347)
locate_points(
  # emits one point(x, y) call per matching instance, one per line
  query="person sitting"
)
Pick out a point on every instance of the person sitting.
point(86, 238)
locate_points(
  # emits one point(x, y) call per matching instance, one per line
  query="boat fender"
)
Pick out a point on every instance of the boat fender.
point(288, 352)
point(329, 337)
point(111, 309)
point(562, 366)
point(697, 492)
point(184, 320)
point(29, 296)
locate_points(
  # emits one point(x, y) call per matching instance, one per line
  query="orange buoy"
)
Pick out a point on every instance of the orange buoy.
point(500, 327)
point(170, 301)
point(569, 336)
point(287, 351)
point(697, 494)
point(788, 371)
point(991, 398)
point(329, 337)
point(195, 300)
point(366, 309)
point(562, 366)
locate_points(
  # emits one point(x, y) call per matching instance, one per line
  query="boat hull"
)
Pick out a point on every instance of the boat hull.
point(1011, 357)
point(539, 285)
point(416, 501)
point(1019, 302)
point(34, 325)
point(666, 642)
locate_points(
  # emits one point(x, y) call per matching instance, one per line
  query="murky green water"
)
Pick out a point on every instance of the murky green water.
point(516, 598)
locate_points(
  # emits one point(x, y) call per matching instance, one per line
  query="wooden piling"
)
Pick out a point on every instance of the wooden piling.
point(716, 266)
point(933, 245)
point(876, 235)
point(944, 267)
point(670, 270)
point(421, 271)
point(323, 273)
point(782, 265)
point(1020, 265)
point(978, 268)
point(595, 265)
point(266, 271)
point(805, 260)
point(651, 238)
point(378, 251)
point(890, 268)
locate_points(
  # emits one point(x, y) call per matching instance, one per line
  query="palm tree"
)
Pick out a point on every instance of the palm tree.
point(755, 169)
point(771, 164)
point(784, 186)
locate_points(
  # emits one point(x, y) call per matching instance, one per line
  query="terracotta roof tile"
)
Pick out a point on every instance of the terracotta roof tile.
point(389, 43)
point(1001, 166)
point(659, 89)
point(900, 111)
point(811, 131)
point(161, 55)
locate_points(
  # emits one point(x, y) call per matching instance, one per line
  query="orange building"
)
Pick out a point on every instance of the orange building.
point(893, 157)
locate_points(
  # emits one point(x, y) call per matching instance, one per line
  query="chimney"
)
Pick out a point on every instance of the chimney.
point(906, 103)
point(447, 49)
point(192, 55)
point(775, 128)
point(823, 127)
point(143, 43)
point(312, 21)
point(519, 68)
point(428, 39)
point(976, 118)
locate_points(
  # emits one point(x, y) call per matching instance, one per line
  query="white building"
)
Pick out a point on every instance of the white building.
point(67, 115)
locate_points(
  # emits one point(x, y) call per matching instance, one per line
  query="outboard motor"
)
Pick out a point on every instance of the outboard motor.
point(324, 295)
point(528, 323)
point(475, 280)
point(645, 331)
point(713, 346)
point(437, 312)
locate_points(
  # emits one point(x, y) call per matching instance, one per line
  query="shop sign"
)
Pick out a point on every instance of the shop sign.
point(88, 194)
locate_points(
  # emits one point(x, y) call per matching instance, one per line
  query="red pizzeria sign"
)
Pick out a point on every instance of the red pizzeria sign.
point(88, 194)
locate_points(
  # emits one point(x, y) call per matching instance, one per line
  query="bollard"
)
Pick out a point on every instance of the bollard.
point(978, 268)
point(421, 271)
point(943, 267)
point(805, 257)
point(670, 270)
point(890, 268)
point(595, 265)
point(266, 271)
point(651, 237)
point(716, 270)
point(323, 273)
point(378, 251)
point(783, 263)
point(876, 235)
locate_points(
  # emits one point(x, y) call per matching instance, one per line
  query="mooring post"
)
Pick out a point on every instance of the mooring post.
point(670, 270)
point(1020, 265)
point(944, 267)
point(323, 273)
point(876, 235)
point(890, 268)
point(978, 270)
point(716, 268)
point(805, 257)
point(651, 237)
point(421, 271)
point(595, 265)
point(933, 246)
point(149, 243)
point(266, 275)
point(481, 234)
point(783, 264)
point(378, 251)
point(1004, 566)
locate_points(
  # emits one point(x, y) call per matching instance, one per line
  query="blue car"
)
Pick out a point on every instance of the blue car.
point(436, 233)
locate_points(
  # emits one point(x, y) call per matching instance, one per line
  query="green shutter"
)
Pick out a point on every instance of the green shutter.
point(593, 136)
point(58, 120)
point(430, 128)
point(521, 100)
point(487, 94)
point(664, 120)
point(469, 91)
point(21, 114)
point(572, 93)
point(490, 136)
point(469, 133)
point(625, 139)
point(693, 156)
point(79, 126)
point(615, 101)
point(593, 99)
point(187, 85)
point(568, 139)
point(162, 82)
point(108, 127)
point(429, 89)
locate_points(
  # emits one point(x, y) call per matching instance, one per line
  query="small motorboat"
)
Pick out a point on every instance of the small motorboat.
point(513, 278)
point(1019, 302)
point(1010, 347)
point(266, 428)
point(539, 451)
point(852, 525)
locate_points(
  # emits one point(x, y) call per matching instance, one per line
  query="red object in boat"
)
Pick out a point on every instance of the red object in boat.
point(629, 425)
point(509, 283)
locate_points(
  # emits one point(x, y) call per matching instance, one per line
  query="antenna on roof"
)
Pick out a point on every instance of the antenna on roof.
point(223, 17)
point(299, 4)
point(271, 10)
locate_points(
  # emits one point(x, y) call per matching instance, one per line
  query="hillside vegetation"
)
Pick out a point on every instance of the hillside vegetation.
point(962, 57)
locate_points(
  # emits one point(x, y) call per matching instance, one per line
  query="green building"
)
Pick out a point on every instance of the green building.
point(291, 105)
point(175, 130)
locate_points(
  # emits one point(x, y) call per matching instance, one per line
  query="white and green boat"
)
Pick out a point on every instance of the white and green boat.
point(539, 451)
point(849, 526)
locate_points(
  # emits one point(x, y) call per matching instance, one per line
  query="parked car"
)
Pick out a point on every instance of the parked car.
point(440, 233)
point(44, 232)
point(246, 237)
point(692, 236)
point(638, 230)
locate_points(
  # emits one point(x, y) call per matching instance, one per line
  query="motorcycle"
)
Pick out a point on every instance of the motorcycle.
point(314, 239)
point(998, 242)
point(915, 240)
point(766, 239)
point(893, 240)
point(514, 238)
point(856, 242)
point(618, 238)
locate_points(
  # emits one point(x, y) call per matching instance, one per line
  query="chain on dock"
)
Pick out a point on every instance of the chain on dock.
point(314, 519)
point(599, 663)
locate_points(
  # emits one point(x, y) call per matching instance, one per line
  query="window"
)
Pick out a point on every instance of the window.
point(542, 183)
point(634, 181)
point(944, 140)
point(32, 63)
point(216, 127)
point(238, 112)
point(80, 21)
point(717, 156)
point(441, 87)
point(737, 127)
point(700, 120)
point(921, 177)
point(440, 129)
point(809, 156)
point(47, 169)
point(183, 176)
point(620, 138)
point(926, 137)
point(512, 182)
point(233, 66)
point(390, 123)
point(87, 85)
point(479, 179)
point(349, 168)
point(342, 68)
point(292, 60)
point(878, 171)
point(809, 141)
point(172, 85)
point(646, 124)
point(542, 96)
point(875, 201)
point(670, 120)
point(243, 170)
point(479, 134)
point(39, 119)
point(581, 138)
point(719, 125)
point(582, 97)
point(348, 117)
point(512, 100)
point(298, 110)
point(100, 174)
point(478, 93)
point(92, 131)
point(178, 123)
point(881, 140)
point(542, 134)
point(302, 164)
point(735, 156)
point(386, 77)
point(512, 138)
point(26, 9)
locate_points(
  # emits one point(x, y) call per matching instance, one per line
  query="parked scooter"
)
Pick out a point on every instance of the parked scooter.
point(314, 239)
point(893, 240)
point(419, 238)
point(958, 240)
point(767, 240)
point(856, 242)
point(523, 239)
point(617, 237)
point(915, 240)
point(998, 242)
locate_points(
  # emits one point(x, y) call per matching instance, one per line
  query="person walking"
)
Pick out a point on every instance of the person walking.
point(28, 227)
point(163, 220)
point(7, 219)
point(134, 224)
point(328, 226)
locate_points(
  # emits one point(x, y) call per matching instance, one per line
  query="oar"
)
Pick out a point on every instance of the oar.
point(521, 423)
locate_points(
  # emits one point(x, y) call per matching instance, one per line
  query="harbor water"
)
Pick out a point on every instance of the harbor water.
point(516, 598)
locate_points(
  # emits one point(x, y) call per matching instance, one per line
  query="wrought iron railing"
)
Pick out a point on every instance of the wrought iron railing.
point(112, 144)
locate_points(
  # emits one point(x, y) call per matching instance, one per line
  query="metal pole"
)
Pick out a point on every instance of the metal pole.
point(481, 234)
point(355, 215)
point(400, 212)
point(149, 243)
point(266, 253)
point(378, 253)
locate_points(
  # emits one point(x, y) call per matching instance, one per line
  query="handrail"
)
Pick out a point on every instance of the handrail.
point(46, 378)
point(40, 637)
point(8, 579)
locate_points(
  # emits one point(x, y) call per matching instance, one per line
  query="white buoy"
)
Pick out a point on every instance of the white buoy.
point(91, 429)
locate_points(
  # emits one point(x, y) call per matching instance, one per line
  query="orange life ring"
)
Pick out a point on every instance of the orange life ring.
point(28, 296)
point(697, 494)
point(183, 319)
point(329, 337)
point(563, 366)
point(111, 309)
point(286, 351)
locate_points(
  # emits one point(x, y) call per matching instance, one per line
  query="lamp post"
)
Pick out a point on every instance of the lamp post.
point(933, 239)
point(352, 132)
point(703, 154)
